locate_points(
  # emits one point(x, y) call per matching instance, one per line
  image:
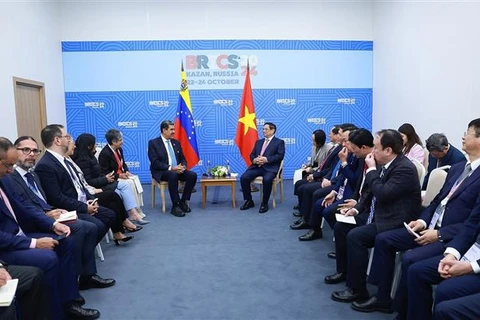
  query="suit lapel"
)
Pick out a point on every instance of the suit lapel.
point(3, 205)
point(468, 181)
point(62, 168)
point(39, 185)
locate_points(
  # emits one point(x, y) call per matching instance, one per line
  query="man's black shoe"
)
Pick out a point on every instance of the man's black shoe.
point(373, 304)
point(80, 300)
point(350, 295)
point(76, 311)
point(184, 206)
point(94, 281)
point(312, 235)
point(335, 278)
point(297, 221)
point(300, 226)
point(332, 255)
point(177, 211)
point(296, 214)
point(247, 205)
point(263, 208)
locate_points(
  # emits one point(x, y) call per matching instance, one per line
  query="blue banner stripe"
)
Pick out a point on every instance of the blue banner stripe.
point(87, 46)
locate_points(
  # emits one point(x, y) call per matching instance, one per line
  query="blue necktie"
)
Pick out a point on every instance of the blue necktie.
point(36, 191)
point(171, 153)
point(374, 200)
point(335, 170)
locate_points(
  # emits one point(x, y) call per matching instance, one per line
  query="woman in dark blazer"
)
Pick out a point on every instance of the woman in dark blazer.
point(84, 157)
point(107, 198)
point(111, 160)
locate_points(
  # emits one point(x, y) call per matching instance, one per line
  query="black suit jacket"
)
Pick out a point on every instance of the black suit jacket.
point(107, 161)
point(58, 185)
point(397, 193)
point(21, 188)
point(274, 153)
point(158, 155)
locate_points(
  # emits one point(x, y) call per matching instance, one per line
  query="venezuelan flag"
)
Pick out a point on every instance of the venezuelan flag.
point(185, 126)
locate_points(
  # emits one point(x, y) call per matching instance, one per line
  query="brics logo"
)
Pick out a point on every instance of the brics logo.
point(222, 61)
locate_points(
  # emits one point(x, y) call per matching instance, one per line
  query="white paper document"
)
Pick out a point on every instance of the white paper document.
point(68, 216)
point(473, 254)
point(7, 292)
point(345, 219)
point(137, 182)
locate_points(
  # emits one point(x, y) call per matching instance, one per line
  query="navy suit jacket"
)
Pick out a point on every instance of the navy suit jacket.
point(158, 155)
point(452, 157)
point(397, 193)
point(459, 206)
point(274, 153)
point(58, 185)
point(351, 172)
point(29, 219)
point(108, 163)
point(21, 189)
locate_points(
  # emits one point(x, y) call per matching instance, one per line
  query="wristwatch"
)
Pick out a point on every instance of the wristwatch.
point(439, 236)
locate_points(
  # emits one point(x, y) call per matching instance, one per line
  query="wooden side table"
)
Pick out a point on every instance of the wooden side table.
point(217, 182)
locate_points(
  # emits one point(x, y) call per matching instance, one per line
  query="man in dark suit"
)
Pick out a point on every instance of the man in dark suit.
point(319, 184)
point(462, 276)
point(438, 224)
point(27, 238)
point(167, 163)
point(441, 153)
point(394, 198)
point(28, 296)
point(266, 156)
point(346, 184)
point(26, 184)
point(62, 185)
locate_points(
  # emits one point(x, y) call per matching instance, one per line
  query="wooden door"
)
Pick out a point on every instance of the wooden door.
point(30, 108)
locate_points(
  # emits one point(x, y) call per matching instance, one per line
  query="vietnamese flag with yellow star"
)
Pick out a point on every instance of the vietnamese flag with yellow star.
point(247, 133)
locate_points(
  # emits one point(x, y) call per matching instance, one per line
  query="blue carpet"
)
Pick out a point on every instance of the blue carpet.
point(220, 263)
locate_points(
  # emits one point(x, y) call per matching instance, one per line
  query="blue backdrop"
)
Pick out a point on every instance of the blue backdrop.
point(301, 86)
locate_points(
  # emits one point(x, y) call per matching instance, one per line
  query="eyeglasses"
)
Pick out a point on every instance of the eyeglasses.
point(26, 151)
point(67, 136)
point(466, 133)
point(7, 165)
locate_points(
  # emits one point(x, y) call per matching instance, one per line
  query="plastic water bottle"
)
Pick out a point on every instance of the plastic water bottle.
point(209, 170)
point(228, 169)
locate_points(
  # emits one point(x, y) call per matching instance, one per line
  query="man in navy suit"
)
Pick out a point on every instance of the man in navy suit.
point(62, 185)
point(441, 153)
point(266, 156)
point(346, 184)
point(394, 197)
point(27, 238)
point(26, 184)
point(167, 163)
point(463, 277)
point(438, 224)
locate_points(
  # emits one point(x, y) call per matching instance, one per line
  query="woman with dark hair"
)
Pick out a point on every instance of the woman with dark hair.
point(111, 161)
point(412, 145)
point(107, 199)
point(84, 157)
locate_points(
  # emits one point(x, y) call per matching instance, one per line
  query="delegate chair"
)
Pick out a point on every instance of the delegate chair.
point(278, 180)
